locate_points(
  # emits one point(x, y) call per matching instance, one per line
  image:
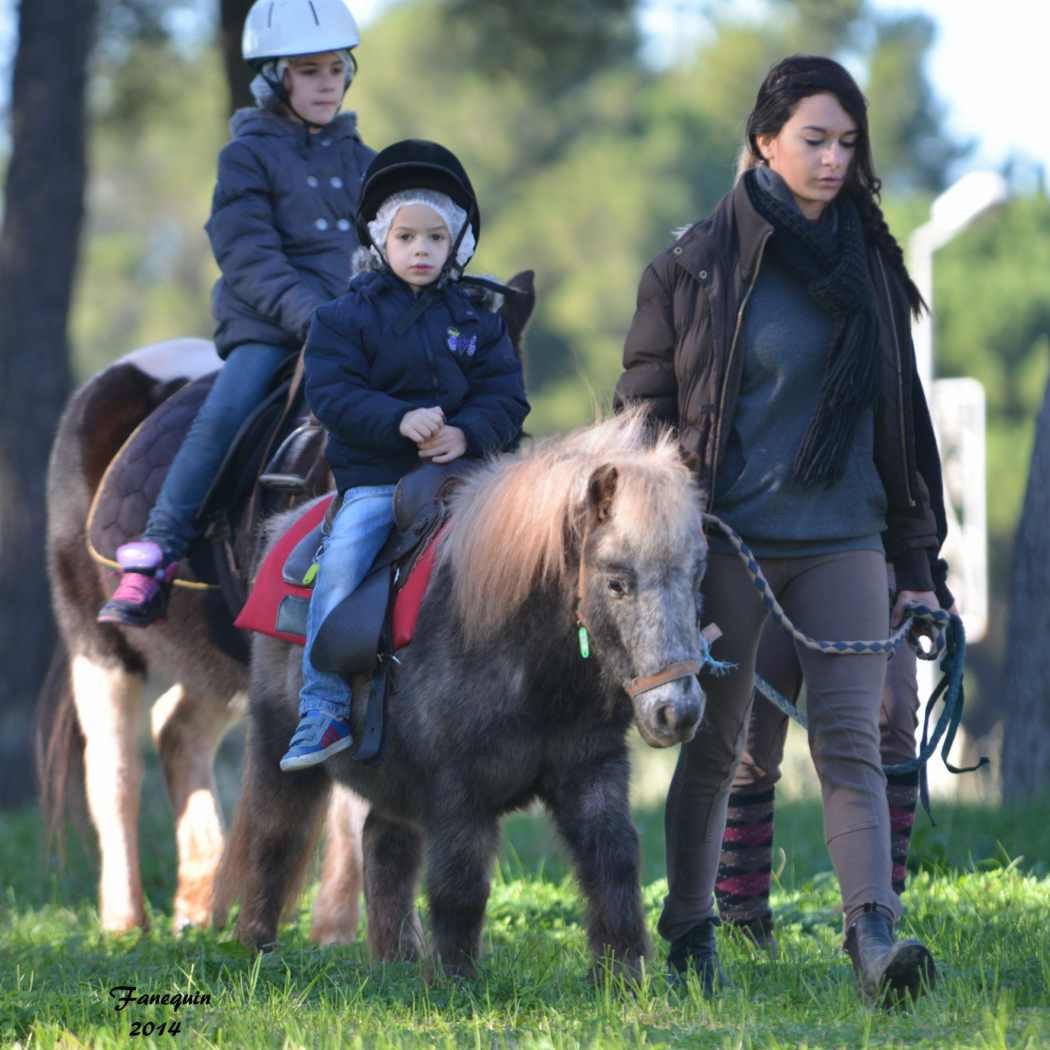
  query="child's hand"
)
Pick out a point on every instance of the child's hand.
point(450, 443)
point(420, 424)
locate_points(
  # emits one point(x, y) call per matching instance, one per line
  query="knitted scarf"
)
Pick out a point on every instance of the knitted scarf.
point(829, 258)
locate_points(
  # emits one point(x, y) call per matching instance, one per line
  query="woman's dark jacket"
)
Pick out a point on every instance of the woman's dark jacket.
point(282, 225)
point(363, 374)
point(682, 359)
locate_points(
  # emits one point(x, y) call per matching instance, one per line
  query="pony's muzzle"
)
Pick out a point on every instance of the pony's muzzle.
point(671, 713)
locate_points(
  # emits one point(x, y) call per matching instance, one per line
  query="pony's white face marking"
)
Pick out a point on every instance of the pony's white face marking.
point(108, 703)
point(174, 359)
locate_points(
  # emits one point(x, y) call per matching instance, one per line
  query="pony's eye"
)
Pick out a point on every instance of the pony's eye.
point(617, 588)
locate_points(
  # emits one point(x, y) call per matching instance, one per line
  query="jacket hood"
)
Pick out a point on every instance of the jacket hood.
point(252, 120)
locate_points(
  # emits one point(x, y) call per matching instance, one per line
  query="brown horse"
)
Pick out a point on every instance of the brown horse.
point(498, 702)
point(91, 708)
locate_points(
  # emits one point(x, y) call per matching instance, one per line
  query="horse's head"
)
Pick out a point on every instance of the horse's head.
point(641, 558)
point(608, 521)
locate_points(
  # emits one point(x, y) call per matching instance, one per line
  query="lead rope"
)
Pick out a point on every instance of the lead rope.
point(949, 645)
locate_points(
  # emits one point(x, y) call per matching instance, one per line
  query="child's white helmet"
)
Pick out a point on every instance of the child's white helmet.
point(285, 28)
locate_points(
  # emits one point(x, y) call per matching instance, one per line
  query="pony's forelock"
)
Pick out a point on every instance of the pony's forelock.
point(516, 521)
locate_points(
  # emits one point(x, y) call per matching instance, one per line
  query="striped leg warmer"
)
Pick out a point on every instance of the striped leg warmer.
point(746, 865)
point(902, 792)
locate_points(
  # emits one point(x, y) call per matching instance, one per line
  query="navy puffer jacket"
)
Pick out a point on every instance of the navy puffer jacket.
point(281, 225)
point(362, 377)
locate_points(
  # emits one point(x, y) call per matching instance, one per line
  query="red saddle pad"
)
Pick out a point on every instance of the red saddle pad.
point(270, 588)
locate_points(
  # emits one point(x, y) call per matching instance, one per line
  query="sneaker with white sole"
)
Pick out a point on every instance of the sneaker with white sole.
point(316, 738)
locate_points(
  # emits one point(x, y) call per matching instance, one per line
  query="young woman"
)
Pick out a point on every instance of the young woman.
point(774, 336)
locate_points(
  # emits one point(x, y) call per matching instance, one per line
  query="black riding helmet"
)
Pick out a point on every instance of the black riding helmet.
point(415, 164)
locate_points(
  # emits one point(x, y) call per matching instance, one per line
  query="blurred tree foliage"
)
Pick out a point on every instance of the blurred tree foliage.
point(993, 322)
point(585, 159)
point(906, 120)
point(557, 43)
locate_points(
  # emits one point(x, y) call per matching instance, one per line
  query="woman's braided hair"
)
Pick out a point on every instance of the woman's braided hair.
point(786, 84)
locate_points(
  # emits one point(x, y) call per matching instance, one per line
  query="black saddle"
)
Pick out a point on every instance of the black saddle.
point(355, 638)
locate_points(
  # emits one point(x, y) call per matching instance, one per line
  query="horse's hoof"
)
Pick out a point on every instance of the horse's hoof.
point(628, 971)
point(124, 923)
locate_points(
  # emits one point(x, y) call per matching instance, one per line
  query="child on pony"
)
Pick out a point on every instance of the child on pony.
point(402, 368)
point(282, 232)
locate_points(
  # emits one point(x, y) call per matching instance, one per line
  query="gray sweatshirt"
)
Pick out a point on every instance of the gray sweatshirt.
point(785, 342)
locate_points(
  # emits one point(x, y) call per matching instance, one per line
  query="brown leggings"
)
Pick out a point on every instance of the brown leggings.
point(779, 665)
point(835, 597)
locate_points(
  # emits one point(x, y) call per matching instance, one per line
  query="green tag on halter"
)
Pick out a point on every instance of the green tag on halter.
point(311, 575)
point(585, 646)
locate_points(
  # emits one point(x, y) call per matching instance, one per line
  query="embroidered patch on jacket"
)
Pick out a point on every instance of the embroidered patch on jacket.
point(460, 344)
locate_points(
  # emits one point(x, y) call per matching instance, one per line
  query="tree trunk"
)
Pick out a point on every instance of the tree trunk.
point(39, 240)
point(238, 74)
point(1025, 762)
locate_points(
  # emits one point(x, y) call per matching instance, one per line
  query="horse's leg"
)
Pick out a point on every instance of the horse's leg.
point(337, 909)
point(279, 816)
point(108, 700)
point(460, 852)
point(393, 853)
point(592, 812)
point(187, 728)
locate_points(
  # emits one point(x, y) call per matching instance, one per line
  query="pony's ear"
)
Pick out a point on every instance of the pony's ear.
point(601, 488)
point(517, 309)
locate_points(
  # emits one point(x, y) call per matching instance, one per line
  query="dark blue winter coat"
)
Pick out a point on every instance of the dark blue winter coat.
point(362, 377)
point(281, 225)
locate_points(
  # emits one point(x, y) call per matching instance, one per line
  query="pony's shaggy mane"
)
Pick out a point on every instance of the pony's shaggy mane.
point(517, 522)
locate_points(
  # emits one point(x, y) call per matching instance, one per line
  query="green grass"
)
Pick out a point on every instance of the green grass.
point(980, 898)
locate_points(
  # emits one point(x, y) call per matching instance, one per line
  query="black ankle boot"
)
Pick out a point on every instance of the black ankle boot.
point(697, 950)
point(887, 971)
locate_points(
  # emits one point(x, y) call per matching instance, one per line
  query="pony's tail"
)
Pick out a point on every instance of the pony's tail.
point(58, 747)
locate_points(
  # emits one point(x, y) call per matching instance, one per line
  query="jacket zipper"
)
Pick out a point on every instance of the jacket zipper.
point(900, 382)
point(729, 365)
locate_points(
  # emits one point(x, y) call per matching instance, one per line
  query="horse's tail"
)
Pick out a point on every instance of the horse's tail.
point(58, 746)
point(94, 424)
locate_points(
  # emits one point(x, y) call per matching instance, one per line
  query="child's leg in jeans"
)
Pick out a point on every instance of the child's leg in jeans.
point(361, 527)
point(150, 563)
point(239, 388)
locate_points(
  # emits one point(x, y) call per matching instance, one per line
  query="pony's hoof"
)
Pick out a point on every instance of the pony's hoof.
point(262, 941)
point(626, 970)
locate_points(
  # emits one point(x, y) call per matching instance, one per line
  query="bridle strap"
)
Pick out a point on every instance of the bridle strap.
point(581, 575)
point(636, 686)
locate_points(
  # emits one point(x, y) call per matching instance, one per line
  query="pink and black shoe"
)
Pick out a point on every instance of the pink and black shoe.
point(141, 597)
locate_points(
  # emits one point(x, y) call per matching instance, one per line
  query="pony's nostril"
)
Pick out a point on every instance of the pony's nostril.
point(667, 717)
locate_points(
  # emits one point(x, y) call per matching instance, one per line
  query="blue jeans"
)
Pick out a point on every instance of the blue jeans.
point(361, 527)
point(243, 381)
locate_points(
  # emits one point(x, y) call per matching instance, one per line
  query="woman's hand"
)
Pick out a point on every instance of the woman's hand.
point(448, 444)
point(421, 424)
point(904, 598)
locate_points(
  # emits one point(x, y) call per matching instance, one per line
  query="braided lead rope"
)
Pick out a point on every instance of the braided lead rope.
point(916, 614)
point(950, 648)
